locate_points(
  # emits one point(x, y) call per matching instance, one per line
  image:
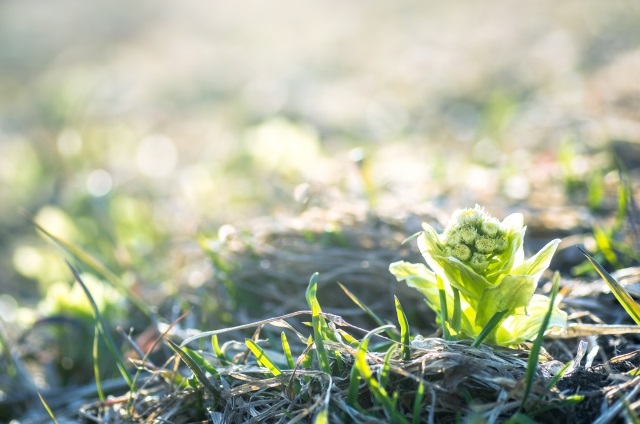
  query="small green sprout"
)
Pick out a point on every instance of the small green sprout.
point(478, 263)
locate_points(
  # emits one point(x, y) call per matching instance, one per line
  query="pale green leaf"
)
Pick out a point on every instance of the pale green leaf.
point(536, 264)
point(420, 278)
point(513, 292)
point(464, 278)
point(510, 258)
point(520, 327)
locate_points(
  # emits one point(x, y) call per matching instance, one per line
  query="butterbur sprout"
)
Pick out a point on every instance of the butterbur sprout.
point(478, 264)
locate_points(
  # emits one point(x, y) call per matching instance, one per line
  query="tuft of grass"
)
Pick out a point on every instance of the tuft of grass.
point(381, 395)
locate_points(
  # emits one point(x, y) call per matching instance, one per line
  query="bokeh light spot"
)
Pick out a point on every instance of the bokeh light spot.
point(99, 182)
point(27, 261)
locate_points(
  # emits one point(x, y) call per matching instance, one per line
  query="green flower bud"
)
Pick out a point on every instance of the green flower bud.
point(470, 217)
point(448, 251)
point(453, 237)
point(501, 244)
point(468, 234)
point(485, 244)
point(490, 227)
point(461, 252)
point(478, 262)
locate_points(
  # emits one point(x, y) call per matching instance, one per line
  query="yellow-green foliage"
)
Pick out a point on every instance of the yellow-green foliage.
point(478, 263)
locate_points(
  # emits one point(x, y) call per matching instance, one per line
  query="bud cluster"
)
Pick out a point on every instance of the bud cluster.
point(475, 238)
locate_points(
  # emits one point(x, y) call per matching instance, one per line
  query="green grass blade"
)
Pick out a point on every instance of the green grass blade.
point(559, 375)
point(104, 329)
point(354, 387)
point(348, 338)
point(46, 406)
point(201, 362)
point(532, 364)
point(378, 392)
point(443, 310)
point(95, 265)
point(317, 323)
point(96, 364)
point(623, 296)
point(457, 312)
point(193, 366)
point(384, 371)
point(489, 327)
point(417, 404)
point(404, 330)
point(362, 306)
point(307, 361)
point(322, 417)
point(219, 353)
point(287, 351)
point(262, 358)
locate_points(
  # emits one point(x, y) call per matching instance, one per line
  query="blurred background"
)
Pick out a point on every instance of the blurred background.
point(132, 130)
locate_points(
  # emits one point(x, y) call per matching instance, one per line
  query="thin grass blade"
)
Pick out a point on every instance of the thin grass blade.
point(559, 375)
point(96, 364)
point(532, 364)
point(201, 362)
point(104, 329)
point(46, 406)
point(348, 338)
point(95, 265)
point(287, 351)
point(379, 392)
point(404, 330)
point(489, 327)
point(317, 323)
point(354, 387)
point(383, 378)
point(417, 404)
point(219, 353)
point(193, 366)
point(457, 311)
point(443, 309)
point(262, 358)
point(362, 306)
point(623, 296)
